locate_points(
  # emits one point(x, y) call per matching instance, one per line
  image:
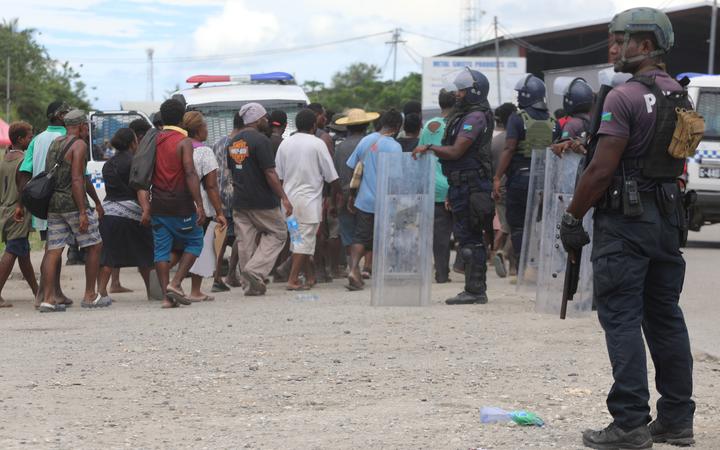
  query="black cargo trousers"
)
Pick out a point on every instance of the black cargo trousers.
point(638, 276)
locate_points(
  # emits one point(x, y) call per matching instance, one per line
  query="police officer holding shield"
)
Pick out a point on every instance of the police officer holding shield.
point(638, 269)
point(466, 161)
point(577, 101)
point(529, 129)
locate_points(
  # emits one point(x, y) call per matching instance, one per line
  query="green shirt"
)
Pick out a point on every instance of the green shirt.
point(428, 137)
point(45, 139)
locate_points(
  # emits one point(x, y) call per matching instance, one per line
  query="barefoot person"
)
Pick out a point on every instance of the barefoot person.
point(14, 221)
point(70, 218)
point(177, 207)
point(126, 243)
point(304, 165)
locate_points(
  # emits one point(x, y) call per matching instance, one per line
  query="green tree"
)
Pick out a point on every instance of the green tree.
point(35, 78)
point(359, 86)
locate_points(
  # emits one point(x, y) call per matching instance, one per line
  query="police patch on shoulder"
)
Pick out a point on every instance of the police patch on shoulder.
point(606, 117)
point(467, 127)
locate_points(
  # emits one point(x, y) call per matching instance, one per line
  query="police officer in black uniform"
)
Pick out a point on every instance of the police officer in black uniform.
point(466, 161)
point(577, 102)
point(638, 269)
point(528, 129)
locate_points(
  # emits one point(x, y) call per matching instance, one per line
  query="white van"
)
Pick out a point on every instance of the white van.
point(703, 171)
point(103, 125)
point(219, 97)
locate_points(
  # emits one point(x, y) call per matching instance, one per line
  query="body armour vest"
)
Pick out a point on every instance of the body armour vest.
point(656, 162)
point(479, 155)
point(538, 134)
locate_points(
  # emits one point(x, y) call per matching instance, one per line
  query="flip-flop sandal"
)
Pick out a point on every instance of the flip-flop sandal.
point(254, 283)
point(177, 296)
point(67, 303)
point(220, 287)
point(99, 302)
point(353, 287)
point(206, 298)
point(4, 304)
point(366, 274)
point(298, 288)
point(49, 307)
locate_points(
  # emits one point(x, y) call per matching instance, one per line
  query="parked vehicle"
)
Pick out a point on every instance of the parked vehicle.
point(703, 171)
point(219, 97)
point(103, 125)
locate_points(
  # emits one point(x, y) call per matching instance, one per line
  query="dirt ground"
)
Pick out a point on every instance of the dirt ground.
point(279, 372)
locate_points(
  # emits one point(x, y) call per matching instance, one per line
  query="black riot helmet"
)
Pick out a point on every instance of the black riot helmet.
point(475, 84)
point(578, 97)
point(531, 92)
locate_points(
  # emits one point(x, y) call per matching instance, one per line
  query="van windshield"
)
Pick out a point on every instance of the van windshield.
point(219, 116)
point(709, 106)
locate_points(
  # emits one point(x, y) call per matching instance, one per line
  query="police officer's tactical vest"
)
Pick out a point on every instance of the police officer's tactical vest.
point(538, 133)
point(480, 149)
point(656, 162)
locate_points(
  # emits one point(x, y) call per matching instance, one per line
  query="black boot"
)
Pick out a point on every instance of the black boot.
point(680, 436)
point(613, 437)
point(475, 269)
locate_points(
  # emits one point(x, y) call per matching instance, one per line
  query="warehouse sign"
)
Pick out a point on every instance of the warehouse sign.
point(439, 72)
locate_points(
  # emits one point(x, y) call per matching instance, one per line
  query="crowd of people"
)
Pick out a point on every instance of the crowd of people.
point(301, 207)
point(244, 190)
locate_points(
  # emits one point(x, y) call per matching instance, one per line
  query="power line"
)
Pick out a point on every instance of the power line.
point(418, 54)
point(407, 52)
point(387, 60)
point(534, 48)
point(433, 38)
point(271, 51)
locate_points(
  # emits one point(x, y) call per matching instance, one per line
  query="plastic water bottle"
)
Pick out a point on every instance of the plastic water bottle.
point(306, 298)
point(492, 414)
point(294, 230)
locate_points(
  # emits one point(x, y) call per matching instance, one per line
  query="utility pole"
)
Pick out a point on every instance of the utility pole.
point(713, 35)
point(497, 59)
point(150, 95)
point(395, 41)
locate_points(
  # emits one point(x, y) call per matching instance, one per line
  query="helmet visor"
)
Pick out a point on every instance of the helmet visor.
point(561, 85)
point(463, 80)
point(520, 85)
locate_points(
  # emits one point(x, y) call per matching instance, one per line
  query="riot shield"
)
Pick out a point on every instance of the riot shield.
point(402, 246)
point(560, 177)
point(529, 255)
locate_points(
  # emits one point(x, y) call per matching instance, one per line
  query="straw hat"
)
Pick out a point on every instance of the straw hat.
point(357, 116)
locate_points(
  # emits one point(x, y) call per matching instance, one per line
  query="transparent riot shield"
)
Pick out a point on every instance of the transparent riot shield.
point(530, 253)
point(402, 246)
point(560, 177)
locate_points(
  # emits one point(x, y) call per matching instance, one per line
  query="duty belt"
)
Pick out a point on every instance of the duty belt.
point(464, 176)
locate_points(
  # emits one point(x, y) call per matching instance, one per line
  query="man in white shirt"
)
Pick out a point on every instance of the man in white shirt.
point(304, 165)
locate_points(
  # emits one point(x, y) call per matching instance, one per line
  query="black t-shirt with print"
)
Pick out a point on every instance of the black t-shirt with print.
point(249, 155)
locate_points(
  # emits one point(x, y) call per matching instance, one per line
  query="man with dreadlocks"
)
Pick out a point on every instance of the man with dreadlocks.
point(466, 158)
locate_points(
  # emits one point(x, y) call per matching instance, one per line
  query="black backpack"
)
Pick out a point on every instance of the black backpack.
point(143, 163)
point(38, 191)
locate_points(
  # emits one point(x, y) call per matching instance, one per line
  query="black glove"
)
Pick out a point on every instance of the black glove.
point(573, 237)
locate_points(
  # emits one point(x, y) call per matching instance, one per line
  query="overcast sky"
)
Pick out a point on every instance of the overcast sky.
point(105, 40)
